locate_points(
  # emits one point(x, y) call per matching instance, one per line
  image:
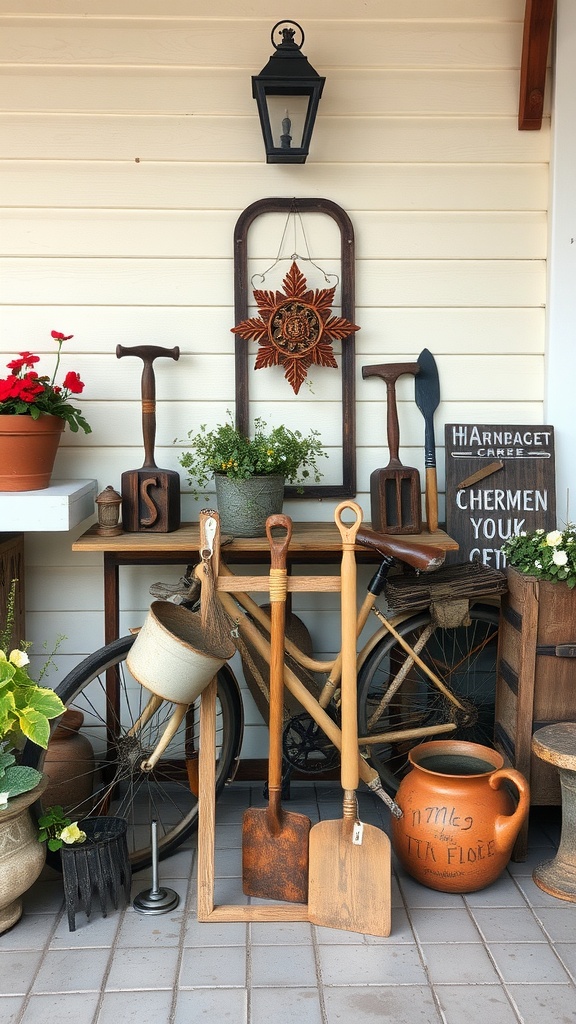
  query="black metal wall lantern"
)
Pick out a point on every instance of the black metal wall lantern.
point(287, 92)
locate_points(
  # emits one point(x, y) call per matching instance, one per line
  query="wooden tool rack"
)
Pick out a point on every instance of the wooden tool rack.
point(207, 910)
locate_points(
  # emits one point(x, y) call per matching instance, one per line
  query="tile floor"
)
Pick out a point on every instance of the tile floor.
point(504, 955)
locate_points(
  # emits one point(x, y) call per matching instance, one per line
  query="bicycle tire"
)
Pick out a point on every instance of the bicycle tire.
point(463, 657)
point(117, 783)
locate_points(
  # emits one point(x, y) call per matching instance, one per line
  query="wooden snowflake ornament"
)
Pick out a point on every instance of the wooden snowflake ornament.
point(294, 328)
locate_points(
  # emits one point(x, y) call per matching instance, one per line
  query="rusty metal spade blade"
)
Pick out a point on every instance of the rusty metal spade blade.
point(275, 841)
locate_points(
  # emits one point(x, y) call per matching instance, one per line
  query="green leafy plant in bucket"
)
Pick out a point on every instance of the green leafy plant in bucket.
point(226, 450)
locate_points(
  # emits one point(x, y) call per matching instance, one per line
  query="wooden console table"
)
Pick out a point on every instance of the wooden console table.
point(311, 544)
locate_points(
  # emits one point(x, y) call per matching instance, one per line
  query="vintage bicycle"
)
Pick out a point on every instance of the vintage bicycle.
point(427, 670)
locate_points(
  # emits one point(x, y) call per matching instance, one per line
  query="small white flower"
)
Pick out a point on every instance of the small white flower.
point(553, 538)
point(559, 557)
point(4, 801)
point(537, 565)
point(19, 658)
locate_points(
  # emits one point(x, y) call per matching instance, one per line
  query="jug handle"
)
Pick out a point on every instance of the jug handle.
point(507, 826)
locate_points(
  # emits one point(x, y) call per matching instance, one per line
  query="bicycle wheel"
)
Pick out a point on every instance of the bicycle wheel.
point(114, 779)
point(464, 658)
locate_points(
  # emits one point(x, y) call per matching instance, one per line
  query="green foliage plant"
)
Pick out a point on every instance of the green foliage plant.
point(226, 450)
point(546, 556)
point(26, 709)
point(56, 829)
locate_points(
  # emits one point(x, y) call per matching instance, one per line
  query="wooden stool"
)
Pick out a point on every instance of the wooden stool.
point(557, 745)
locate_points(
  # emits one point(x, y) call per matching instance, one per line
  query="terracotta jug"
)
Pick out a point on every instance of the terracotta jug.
point(69, 766)
point(460, 820)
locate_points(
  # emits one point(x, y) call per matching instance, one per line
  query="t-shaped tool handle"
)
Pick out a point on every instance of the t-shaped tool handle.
point(148, 353)
point(389, 373)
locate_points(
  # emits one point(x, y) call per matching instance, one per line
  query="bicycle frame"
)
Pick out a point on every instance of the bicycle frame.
point(245, 613)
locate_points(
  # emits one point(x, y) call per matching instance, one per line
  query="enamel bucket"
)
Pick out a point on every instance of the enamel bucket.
point(173, 657)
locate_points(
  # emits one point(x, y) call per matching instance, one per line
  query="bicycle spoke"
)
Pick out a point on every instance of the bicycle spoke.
point(399, 705)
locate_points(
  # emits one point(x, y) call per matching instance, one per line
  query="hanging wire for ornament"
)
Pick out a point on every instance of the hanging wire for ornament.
point(296, 216)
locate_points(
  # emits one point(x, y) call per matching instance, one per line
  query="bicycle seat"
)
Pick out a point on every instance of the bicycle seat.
point(423, 557)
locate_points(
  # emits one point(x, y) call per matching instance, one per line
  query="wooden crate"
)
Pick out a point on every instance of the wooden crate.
point(12, 568)
point(536, 678)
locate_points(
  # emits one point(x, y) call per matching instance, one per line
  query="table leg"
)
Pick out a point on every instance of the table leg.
point(111, 599)
point(558, 876)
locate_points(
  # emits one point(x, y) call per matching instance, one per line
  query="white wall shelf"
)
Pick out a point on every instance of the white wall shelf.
point(61, 506)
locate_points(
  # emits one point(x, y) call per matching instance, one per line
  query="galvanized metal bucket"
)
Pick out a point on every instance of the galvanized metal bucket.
point(173, 656)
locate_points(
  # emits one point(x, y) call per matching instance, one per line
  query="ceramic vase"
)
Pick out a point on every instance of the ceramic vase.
point(69, 766)
point(459, 819)
point(28, 451)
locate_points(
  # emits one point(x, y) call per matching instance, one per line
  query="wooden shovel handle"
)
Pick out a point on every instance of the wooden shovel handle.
point(431, 499)
point(278, 587)
point(148, 353)
point(348, 533)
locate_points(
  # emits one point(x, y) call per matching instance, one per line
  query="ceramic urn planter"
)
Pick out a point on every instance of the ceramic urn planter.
point(22, 857)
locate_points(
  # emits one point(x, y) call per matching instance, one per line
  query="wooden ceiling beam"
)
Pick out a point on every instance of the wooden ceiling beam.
point(537, 26)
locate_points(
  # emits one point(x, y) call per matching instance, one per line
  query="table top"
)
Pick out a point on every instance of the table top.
point(556, 744)
point(314, 541)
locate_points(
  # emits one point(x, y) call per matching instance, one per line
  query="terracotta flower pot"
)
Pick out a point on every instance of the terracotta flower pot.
point(28, 451)
point(459, 820)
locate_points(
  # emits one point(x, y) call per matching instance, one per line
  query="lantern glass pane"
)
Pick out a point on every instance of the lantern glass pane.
point(287, 119)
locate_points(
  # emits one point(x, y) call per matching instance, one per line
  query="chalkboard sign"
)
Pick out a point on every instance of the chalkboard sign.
point(500, 480)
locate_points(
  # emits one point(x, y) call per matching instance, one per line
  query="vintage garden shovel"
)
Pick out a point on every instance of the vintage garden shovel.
point(350, 861)
point(427, 392)
point(274, 841)
point(395, 499)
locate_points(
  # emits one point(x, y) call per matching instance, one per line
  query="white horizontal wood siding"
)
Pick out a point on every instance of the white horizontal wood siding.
point(129, 146)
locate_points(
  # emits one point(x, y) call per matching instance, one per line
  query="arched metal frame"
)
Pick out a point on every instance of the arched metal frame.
point(347, 488)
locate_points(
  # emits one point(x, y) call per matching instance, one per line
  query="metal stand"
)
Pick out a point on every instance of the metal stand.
point(157, 900)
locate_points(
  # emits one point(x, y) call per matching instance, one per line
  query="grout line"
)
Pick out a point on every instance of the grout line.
point(188, 909)
point(45, 949)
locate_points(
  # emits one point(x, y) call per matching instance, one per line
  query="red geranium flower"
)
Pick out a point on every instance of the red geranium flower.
point(26, 359)
point(73, 383)
point(25, 392)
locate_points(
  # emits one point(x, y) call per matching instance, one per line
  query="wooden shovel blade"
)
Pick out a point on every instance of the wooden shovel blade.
point(349, 885)
point(275, 855)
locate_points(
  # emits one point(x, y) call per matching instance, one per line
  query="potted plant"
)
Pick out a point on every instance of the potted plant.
point(26, 709)
point(544, 556)
point(250, 472)
point(33, 413)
